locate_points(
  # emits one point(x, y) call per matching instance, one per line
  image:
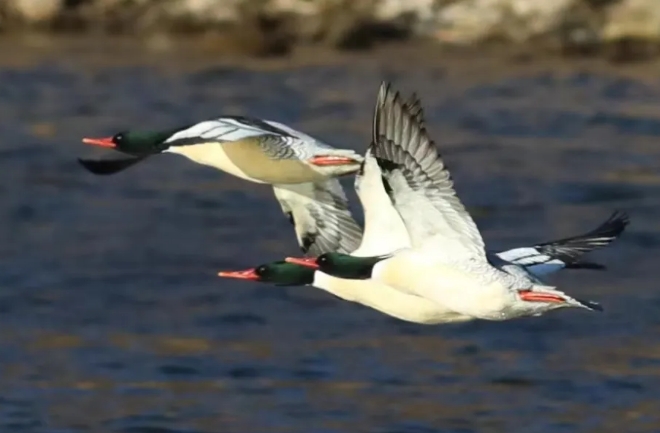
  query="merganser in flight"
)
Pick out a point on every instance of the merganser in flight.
point(447, 262)
point(260, 151)
point(301, 169)
point(541, 259)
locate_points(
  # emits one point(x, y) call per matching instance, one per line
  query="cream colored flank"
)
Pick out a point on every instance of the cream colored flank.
point(247, 160)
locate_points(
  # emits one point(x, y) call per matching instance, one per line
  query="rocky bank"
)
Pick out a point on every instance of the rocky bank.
point(619, 29)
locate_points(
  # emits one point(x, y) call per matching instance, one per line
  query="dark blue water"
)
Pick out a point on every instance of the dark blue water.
point(112, 318)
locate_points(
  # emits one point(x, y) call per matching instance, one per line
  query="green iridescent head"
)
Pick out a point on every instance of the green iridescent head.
point(136, 143)
point(279, 273)
point(341, 265)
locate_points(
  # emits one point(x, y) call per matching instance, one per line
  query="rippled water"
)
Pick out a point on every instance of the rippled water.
point(112, 318)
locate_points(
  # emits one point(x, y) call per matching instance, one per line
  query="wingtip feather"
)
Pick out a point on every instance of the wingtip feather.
point(586, 265)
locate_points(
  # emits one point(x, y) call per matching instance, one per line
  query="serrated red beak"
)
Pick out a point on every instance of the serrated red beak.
point(102, 142)
point(248, 274)
point(531, 296)
point(308, 262)
point(329, 160)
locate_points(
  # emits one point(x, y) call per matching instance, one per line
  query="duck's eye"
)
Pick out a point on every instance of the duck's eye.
point(260, 270)
point(322, 259)
point(118, 138)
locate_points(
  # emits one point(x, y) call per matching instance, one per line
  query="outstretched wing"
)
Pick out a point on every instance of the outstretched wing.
point(109, 166)
point(414, 107)
point(418, 182)
point(548, 257)
point(276, 140)
point(384, 230)
point(320, 215)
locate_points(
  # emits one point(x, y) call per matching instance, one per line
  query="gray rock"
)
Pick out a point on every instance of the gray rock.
point(633, 19)
point(35, 11)
point(472, 21)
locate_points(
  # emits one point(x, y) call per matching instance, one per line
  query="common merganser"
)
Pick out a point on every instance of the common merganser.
point(260, 151)
point(325, 272)
point(447, 262)
point(301, 169)
point(372, 294)
point(540, 259)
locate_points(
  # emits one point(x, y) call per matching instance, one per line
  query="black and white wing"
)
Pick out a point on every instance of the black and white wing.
point(108, 166)
point(383, 229)
point(277, 140)
point(320, 215)
point(549, 257)
point(414, 107)
point(418, 182)
point(228, 128)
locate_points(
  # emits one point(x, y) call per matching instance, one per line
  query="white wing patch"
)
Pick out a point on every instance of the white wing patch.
point(222, 130)
point(419, 183)
point(278, 140)
point(532, 260)
point(384, 231)
point(549, 257)
point(320, 215)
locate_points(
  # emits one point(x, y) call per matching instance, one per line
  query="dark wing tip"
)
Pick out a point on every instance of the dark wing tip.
point(98, 167)
point(414, 107)
point(103, 167)
point(608, 230)
point(591, 305)
point(585, 265)
point(615, 224)
point(611, 228)
point(398, 125)
point(386, 165)
point(307, 244)
point(570, 249)
point(383, 94)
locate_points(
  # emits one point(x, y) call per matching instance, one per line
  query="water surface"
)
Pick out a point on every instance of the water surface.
point(112, 318)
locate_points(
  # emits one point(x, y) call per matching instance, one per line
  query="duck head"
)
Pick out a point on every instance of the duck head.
point(340, 265)
point(138, 144)
point(279, 273)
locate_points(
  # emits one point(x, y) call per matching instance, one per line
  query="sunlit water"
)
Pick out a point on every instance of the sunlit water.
point(112, 318)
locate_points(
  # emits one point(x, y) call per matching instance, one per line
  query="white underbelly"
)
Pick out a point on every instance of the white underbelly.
point(452, 288)
point(388, 300)
point(247, 160)
point(212, 155)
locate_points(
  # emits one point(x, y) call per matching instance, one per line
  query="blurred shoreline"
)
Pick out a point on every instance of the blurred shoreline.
point(617, 31)
point(190, 54)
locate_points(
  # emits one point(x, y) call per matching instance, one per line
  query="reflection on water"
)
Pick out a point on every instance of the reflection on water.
point(112, 319)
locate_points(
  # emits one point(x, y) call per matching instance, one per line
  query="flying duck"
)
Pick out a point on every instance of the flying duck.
point(447, 262)
point(301, 169)
point(260, 151)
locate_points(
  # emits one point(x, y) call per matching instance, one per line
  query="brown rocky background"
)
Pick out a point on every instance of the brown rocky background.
point(620, 30)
